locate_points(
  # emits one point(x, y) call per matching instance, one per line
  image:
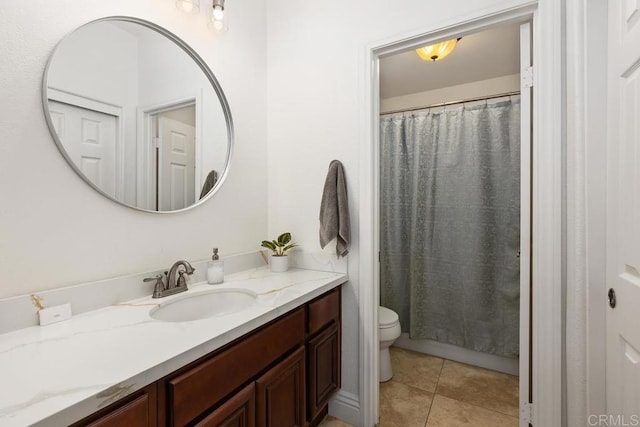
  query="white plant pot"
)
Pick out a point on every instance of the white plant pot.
point(279, 263)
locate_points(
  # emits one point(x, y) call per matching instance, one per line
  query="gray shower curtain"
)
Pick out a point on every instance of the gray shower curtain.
point(450, 223)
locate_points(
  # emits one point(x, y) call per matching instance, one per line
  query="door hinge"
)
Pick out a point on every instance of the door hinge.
point(526, 413)
point(527, 78)
point(157, 142)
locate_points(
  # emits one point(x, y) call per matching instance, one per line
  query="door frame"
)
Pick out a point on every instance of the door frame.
point(145, 135)
point(586, 199)
point(547, 214)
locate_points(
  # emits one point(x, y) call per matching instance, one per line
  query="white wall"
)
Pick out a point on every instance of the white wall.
point(167, 66)
point(479, 89)
point(316, 69)
point(107, 71)
point(54, 229)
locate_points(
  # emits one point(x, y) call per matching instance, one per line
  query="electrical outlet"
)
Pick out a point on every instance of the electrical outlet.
point(54, 314)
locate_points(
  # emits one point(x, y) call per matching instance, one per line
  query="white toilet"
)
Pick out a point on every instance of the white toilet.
point(388, 332)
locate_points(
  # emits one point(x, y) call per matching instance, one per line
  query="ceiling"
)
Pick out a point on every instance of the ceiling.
point(480, 56)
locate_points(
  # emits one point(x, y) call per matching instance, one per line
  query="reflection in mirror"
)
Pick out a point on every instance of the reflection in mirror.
point(138, 115)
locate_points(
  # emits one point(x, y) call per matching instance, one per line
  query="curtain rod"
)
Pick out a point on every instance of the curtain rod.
point(444, 104)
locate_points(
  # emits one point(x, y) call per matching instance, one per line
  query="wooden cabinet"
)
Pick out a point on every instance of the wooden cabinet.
point(281, 393)
point(280, 375)
point(206, 382)
point(324, 369)
point(139, 409)
point(323, 354)
point(238, 411)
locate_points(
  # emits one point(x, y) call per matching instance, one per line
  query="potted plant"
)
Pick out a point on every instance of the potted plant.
point(279, 249)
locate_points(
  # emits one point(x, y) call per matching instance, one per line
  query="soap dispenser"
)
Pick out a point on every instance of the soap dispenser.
point(215, 269)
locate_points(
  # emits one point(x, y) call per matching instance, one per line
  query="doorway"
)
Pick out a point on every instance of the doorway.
point(454, 228)
point(546, 195)
point(167, 156)
point(175, 158)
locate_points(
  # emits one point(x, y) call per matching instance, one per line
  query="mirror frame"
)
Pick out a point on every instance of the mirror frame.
point(201, 64)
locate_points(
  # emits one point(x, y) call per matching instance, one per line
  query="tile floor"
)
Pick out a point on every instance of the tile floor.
point(330, 421)
point(427, 391)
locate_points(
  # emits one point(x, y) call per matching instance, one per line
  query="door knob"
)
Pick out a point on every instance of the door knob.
point(612, 298)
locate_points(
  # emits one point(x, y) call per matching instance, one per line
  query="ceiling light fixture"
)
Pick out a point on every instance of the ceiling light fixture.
point(217, 16)
point(188, 6)
point(436, 52)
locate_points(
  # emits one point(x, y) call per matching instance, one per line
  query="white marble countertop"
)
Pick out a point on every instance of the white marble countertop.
point(60, 373)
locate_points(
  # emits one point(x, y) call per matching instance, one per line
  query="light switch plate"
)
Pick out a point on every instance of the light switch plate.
point(54, 314)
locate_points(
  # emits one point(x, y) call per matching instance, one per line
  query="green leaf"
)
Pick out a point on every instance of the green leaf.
point(284, 238)
point(286, 248)
point(269, 245)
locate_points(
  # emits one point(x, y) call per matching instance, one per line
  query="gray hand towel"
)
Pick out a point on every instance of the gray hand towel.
point(334, 210)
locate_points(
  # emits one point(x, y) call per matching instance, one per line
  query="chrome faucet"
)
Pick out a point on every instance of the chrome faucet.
point(172, 285)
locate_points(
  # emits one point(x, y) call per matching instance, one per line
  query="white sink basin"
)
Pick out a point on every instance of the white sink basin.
point(213, 303)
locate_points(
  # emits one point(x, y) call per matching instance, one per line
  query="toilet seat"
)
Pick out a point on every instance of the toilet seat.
point(386, 318)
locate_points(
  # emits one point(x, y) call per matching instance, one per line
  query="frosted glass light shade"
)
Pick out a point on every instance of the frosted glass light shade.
point(436, 52)
point(218, 19)
point(188, 6)
point(218, 13)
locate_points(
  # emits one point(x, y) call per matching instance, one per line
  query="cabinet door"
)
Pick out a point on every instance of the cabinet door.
point(137, 410)
point(238, 411)
point(204, 385)
point(280, 394)
point(324, 368)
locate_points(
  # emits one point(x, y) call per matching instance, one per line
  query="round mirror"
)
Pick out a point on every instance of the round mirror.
point(138, 115)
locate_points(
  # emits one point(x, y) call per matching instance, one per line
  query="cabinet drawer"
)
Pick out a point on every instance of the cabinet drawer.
point(137, 410)
point(323, 310)
point(198, 389)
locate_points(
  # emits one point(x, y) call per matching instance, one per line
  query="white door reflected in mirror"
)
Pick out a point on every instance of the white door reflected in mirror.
point(138, 115)
point(90, 138)
point(176, 164)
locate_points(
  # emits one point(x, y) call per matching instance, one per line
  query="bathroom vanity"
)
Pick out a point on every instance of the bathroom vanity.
point(261, 349)
point(265, 378)
point(276, 362)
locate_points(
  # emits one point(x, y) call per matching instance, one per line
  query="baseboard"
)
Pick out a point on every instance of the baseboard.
point(508, 365)
point(346, 406)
